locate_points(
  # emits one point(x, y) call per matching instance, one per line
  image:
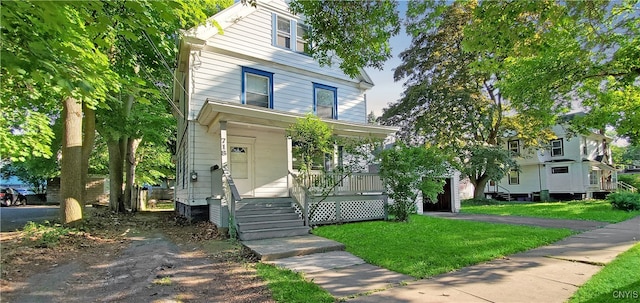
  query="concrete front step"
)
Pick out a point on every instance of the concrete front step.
point(269, 233)
point(267, 217)
point(248, 226)
point(278, 248)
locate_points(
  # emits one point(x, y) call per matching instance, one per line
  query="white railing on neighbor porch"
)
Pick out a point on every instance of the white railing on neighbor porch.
point(344, 183)
point(626, 186)
point(337, 198)
point(608, 186)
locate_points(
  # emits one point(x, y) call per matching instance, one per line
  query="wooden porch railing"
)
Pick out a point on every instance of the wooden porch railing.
point(232, 196)
point(300, 195)
point(344, 183)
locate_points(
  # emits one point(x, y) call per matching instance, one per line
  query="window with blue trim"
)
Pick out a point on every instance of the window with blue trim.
point(257, 87)
point(325, 101)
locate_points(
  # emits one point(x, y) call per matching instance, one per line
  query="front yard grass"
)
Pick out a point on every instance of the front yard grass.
point(597, 210)
point(618, 281)
point(288, 286)
point(428, 246)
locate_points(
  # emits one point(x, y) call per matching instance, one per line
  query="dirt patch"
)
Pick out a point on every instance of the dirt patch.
point(146, 257)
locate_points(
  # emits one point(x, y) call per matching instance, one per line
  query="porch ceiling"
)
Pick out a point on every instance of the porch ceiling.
point(214, 111)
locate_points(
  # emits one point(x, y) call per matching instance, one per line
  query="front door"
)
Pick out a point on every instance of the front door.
point(241, 166)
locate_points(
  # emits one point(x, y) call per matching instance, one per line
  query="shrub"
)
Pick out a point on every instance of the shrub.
point(624, 200)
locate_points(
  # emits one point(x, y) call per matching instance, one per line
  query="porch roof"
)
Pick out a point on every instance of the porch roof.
point(214, 111)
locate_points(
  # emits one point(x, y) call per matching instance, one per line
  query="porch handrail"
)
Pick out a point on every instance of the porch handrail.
point(300, 195)
point(232, 196)
point(346, 182)
point(626, 186)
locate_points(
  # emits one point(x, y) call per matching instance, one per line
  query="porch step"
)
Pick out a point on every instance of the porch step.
point(267, 217)
point(281, 232)
point(264, 218)
point(263, 211)
point(247, 226)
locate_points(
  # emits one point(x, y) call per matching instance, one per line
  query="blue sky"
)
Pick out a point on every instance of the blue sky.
point(386, 90)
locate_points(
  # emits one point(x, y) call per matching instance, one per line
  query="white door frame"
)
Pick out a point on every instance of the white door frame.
point(246, 187)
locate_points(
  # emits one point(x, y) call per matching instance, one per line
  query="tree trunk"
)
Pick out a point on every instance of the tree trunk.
point(115, 175)
point(479, 185)
point(130, 168)
point(89, 126)
point(71, 187)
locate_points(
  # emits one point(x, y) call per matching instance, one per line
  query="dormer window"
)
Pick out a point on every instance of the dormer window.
point(285, 30)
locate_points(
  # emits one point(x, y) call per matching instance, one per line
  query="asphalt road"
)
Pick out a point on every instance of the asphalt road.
point(12, 218)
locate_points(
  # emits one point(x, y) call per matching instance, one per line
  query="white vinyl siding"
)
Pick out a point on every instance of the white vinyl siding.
point(219, 78)
point(253, 36)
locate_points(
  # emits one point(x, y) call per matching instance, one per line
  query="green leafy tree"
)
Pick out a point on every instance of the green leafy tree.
point(448, 104)
point(61, 57)
point(407, 171)
point(353, 34)
point(558, 55)
point(313, 141)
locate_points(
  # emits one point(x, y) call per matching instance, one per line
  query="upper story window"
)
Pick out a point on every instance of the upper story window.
point(302, 32)
point(557, 148)
point(285, 30)
point(325, 101)
point(283, 33)
point(514, 146)
point(585, 147)
point(257, 87)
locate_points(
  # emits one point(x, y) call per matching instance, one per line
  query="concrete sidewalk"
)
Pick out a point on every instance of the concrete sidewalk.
point(546, 274)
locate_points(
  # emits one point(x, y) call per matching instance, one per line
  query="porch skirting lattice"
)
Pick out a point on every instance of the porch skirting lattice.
point(341, 209)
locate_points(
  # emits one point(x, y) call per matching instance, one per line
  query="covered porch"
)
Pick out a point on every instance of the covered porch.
point(256, 162)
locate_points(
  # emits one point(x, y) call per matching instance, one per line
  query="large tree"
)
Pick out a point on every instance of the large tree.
point(447, 103)
point(559, 55)
point(60, 57)
point(351, 34)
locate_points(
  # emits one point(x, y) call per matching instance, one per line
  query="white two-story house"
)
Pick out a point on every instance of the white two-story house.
point(238, 90)
point(570, 167)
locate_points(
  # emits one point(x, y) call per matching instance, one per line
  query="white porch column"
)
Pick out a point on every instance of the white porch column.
point(224, 158)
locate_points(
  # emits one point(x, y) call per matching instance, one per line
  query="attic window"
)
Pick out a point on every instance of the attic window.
point(283, 36)
point(285, 30)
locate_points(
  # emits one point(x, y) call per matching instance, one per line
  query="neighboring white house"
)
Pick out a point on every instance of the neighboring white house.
point(573, 166)
point(238, 91)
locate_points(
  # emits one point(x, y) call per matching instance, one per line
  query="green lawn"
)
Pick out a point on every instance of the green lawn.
point(429, 246)
point(598, 210)
point(619, 281)
point(288, 286)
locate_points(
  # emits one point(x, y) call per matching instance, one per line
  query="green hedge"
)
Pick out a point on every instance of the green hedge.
point(624, 200)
